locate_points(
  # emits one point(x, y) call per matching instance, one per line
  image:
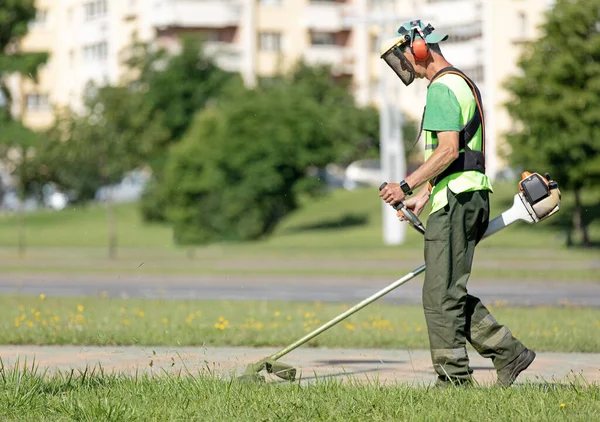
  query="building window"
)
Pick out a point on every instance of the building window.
point(270, 41)
point(41, 19)
point(95, 52)
point(462, 33)
point(375, 47)
point(522, 22)
point(322, 38)
point(95, 9)
point(476, 73)
point(37, 102)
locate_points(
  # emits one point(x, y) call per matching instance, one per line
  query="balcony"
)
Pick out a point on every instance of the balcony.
point(326, 16)
point(228, 56)
point(197, 13)
point(340, 58)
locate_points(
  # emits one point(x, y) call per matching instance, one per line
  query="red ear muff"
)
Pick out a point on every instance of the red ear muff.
point(420, 50)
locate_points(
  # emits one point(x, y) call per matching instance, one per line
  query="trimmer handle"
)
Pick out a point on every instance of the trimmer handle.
point(408, 214)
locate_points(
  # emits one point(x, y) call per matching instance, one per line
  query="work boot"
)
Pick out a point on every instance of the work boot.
point(508, 374)
point(446, 382)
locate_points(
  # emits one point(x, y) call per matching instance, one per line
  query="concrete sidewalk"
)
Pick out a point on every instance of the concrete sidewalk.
point(387, 366)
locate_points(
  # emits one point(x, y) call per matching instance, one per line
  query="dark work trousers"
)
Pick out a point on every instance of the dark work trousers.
point(453, 316)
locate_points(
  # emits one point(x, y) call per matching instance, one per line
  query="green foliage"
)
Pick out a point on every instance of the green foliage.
point(168, 90)
point(558, 97)
point(242, 165)
point(14, 137)
point(14, 16)
point(84, 152)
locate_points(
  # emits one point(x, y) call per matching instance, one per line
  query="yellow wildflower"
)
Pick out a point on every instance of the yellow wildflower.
point(30, 324)
point(562, 405)
point(126, 322)
point(17, 322)
point(165, 320)
point(277, 313)
point(43, 296)
point(80, 308)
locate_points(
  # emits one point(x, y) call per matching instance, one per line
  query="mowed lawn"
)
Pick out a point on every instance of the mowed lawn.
point(337, 228)
point(106, 321)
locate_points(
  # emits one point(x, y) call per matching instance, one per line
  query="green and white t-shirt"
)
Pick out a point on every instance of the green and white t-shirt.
point(450, 105)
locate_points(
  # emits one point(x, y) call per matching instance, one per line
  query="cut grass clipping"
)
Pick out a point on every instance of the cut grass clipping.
point(105, 321)
point(27, 394)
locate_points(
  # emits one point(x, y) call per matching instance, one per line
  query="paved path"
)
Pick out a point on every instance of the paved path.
point(330, 288)
point(388, 366)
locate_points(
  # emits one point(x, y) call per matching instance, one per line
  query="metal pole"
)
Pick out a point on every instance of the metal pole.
point(393, 159)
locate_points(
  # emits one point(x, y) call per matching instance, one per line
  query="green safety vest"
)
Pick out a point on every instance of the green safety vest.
point(467, 173)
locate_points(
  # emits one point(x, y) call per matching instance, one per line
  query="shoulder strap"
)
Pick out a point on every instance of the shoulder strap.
point(469, 130)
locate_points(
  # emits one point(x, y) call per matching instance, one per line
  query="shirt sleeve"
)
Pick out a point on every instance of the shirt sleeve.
point(442, 112)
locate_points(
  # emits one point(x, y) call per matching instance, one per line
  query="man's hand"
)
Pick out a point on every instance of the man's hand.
point(392, 193)
point(416, 204)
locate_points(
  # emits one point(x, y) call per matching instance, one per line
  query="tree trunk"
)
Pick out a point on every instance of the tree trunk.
point(112, 228)
point(191, 253)
point(21, 237)
point(21, 195)
point(578, 225)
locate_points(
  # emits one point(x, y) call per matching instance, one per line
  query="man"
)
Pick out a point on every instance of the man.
point(453, 176)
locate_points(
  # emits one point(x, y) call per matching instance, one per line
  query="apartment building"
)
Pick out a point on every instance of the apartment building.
point(259, 38)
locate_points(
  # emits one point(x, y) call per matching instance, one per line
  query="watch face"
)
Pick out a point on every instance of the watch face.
point(404, 186)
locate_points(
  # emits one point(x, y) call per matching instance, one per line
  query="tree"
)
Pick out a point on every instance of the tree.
point(15, 139)
point(170, 89)
point(84, 152)
point(243, 164)
point(558, 101)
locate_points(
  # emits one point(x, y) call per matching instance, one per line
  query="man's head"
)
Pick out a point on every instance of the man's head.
point(410, 54)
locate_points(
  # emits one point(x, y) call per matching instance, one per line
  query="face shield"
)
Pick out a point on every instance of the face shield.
point(395, 58)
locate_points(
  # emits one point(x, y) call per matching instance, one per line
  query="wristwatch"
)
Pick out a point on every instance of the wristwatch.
point(405, 188)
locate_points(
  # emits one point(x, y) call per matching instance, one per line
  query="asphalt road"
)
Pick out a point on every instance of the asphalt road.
point(326, 289)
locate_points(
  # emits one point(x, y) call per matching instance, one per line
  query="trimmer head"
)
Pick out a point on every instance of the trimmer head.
point(279, 369)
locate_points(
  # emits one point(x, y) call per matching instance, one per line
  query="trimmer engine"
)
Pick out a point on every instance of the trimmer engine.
point(540, 195)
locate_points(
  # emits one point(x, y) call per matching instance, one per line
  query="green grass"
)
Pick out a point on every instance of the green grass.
point(105, 321)
point(26, 394)
point(342, 221)
point(343, 227)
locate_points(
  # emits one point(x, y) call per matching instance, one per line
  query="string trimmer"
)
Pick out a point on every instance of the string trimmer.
point(538, 198)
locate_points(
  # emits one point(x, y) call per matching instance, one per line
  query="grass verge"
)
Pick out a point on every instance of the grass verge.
point(339, 234)
point(26, 394)
point(105, 321)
